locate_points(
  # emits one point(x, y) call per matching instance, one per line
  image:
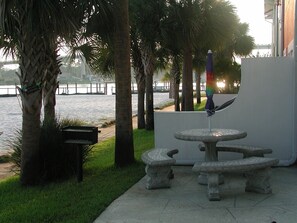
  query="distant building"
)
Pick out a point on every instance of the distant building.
point(282, 14)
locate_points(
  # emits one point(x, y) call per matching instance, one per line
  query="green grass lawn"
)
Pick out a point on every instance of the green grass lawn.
point(70, 201)
point(201, 106)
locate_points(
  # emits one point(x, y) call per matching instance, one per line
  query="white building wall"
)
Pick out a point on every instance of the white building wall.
point(264, 108)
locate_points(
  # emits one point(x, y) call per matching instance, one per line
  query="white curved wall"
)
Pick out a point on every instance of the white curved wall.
point(264, 108)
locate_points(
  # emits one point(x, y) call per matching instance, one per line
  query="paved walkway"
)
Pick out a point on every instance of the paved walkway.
point(186, 201)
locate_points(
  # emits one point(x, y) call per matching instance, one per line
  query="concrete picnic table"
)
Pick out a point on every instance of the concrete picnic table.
point(209, 137)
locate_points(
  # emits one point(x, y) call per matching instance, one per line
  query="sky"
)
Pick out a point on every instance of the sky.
point(252, 12)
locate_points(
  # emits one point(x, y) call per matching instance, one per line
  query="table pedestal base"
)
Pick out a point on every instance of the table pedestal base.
point(202, 179)
point(211, 155)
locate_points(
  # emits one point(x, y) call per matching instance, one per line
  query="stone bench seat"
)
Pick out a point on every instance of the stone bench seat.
point(256, 169)
point(247, 151)
point(158, 167)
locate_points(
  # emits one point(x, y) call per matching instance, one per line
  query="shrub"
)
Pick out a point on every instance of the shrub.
point(15, 144)
point(4, 159)
point(58, 160)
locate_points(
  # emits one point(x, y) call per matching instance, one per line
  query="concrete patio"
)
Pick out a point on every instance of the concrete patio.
point(186, 201)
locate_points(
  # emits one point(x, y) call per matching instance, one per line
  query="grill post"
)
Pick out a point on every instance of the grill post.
point(80, 136)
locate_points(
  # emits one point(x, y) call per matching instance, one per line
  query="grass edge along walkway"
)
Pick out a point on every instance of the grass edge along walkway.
point(70, 201)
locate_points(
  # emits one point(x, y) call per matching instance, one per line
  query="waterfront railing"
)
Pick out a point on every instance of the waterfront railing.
point(106, 88)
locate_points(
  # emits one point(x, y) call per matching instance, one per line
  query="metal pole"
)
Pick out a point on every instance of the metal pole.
point(79, 169)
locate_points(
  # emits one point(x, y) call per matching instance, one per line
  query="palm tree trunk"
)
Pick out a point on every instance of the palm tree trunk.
point(187, 81)
point(176, 99)
point(149, 102)
point(30, 47)
point(175, 74)
point(124, 148)
point(171, 87)
point(149, 67)
point(140, 79)
point(198, 91)
point(140, 104)
point(31, 76)
point(30, 155)
point(51, 85)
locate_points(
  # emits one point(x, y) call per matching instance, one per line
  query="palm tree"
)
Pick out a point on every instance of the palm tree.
point(99, 53)
point(106, 47)
point(146, 17)
point(241, 44)
point(107, 50)
point(70, 17)
point(140, 78)
point(172, 43)
point(31, 27)
point(203, 25)
point(195, 20)
point(124, 148)
point(185, 16)
point(175, 74)
point(22, 23)
point(51, 84)
point(199, 62)
point(191, 20)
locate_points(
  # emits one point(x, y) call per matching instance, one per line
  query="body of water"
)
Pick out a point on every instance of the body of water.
point(93, 109)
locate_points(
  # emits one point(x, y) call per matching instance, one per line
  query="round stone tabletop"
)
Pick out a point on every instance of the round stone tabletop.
point(215, 135)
